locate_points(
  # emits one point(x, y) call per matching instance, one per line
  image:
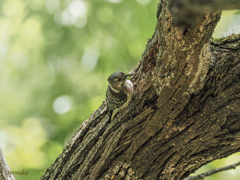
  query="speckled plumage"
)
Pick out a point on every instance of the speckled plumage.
point(119, 92)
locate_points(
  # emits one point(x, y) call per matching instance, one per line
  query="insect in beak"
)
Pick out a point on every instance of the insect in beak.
point(128, 75)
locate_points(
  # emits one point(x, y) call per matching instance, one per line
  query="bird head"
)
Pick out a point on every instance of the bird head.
point(117, 81)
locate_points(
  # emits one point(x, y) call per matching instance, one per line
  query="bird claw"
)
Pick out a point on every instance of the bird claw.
point(115, 112)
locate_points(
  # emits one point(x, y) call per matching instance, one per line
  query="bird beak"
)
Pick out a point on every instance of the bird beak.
point(127, 75)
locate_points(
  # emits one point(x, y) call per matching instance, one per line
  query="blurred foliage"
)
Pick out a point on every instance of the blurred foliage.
point(232, 174)
point(229, 24)
point(55, 57)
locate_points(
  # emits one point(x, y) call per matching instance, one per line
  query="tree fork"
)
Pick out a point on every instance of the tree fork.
point(188, 94)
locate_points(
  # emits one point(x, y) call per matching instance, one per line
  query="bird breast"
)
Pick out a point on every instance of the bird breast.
point(128, 86)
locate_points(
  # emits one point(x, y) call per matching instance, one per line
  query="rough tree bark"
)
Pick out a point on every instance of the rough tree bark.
point(186, 12)
point(5, 172)
point(187, 90)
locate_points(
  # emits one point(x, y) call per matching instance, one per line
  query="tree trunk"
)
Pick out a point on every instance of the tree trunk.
point(5, 172)
point(187, 90)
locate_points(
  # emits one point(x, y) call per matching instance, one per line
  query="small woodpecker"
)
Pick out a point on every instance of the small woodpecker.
point(119, 92)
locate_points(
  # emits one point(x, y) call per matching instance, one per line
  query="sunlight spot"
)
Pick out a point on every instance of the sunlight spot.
point(31, 29)
point(80, 22)
point(77, 8)
point(105, 14)
point(65, 18)
point(52, 5)
point(74, 14)
point(90, 58)
point(12, 8)
point(61, 105)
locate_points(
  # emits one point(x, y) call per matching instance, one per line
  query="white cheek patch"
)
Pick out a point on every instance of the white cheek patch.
point(114, 90)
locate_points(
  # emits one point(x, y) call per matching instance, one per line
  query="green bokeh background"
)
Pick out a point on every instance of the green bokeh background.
point(55, 57)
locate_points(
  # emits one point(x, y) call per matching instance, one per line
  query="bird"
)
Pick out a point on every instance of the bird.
point(119, 92)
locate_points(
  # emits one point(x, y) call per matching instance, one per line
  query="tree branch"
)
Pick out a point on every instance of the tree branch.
point(188, 12)
point(187, 93)
point(4, 168)
point(213, 171)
